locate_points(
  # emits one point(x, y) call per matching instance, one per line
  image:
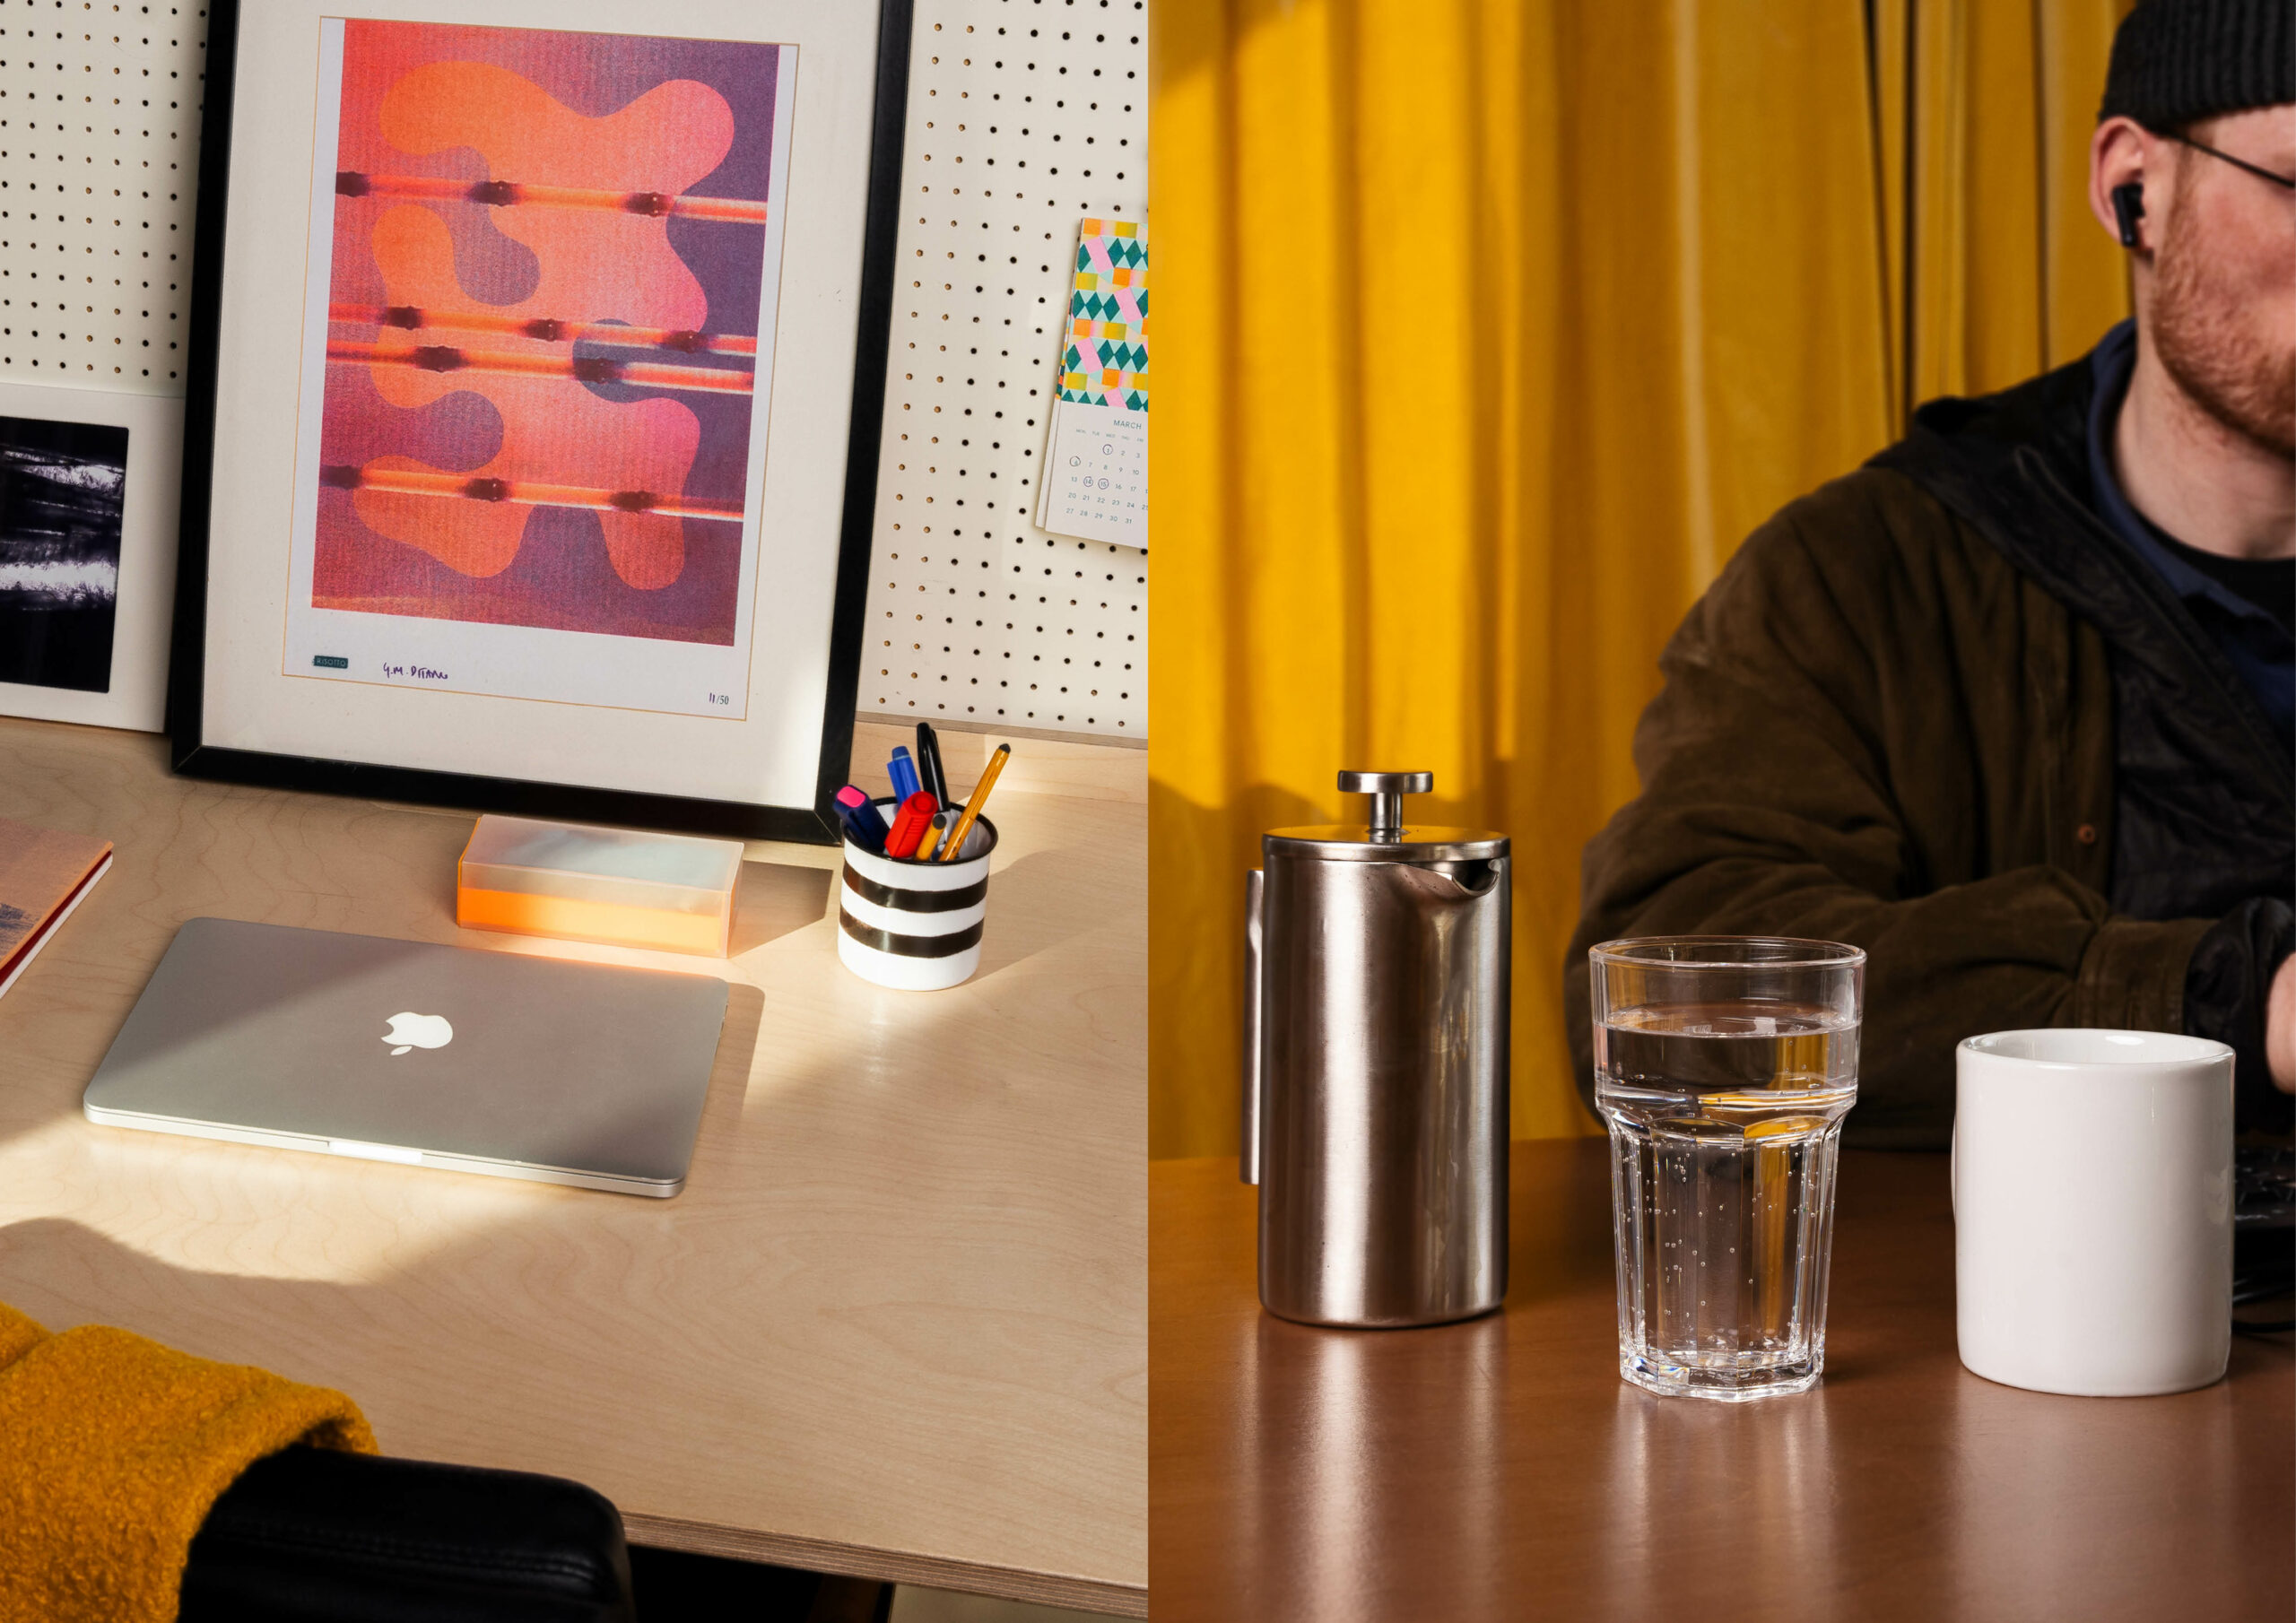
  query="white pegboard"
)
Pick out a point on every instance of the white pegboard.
point(98, 145)
point(1025, 116)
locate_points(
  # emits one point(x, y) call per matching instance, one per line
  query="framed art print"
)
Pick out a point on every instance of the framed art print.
point(538, 357)
point(87, 488)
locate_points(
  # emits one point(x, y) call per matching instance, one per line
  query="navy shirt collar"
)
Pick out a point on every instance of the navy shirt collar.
point(2111, 364)
point(2259, 647)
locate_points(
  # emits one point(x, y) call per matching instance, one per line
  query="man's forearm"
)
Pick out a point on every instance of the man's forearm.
point(2026, 948)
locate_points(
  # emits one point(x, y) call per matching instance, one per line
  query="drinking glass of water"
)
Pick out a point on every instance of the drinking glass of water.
point(1723, 1066)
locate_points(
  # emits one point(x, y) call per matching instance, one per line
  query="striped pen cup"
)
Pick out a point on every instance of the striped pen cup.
point(914, 925)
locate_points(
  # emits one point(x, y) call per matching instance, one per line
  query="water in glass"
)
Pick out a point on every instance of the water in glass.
point(1725, 1122)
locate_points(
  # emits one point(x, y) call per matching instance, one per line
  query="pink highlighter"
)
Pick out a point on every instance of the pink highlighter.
point(851, 800)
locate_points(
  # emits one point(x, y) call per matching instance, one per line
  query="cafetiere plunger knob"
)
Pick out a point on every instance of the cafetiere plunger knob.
point(1386, 790)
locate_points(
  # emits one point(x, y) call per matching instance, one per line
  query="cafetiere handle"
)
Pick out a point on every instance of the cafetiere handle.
point(1386, 790)
point(1255, 911)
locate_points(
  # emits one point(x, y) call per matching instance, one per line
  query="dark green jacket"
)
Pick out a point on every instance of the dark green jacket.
point(1902, 717)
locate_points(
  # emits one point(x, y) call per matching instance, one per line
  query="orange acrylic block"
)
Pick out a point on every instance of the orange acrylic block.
point(617, 886)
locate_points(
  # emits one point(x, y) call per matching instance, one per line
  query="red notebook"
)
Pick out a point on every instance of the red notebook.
point(43, 875)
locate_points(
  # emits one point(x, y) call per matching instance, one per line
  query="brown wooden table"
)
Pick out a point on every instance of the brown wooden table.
point(1501, 1468)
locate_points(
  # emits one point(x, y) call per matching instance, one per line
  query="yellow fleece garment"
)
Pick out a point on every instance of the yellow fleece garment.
point(112, 1451)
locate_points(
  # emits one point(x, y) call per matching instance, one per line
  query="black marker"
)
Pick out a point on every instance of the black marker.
point(929, 764)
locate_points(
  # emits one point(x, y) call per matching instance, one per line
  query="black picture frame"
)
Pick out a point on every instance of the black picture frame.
point(815, 825)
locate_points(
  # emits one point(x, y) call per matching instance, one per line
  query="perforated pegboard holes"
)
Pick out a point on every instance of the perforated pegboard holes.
point(1025, 116)
point(98, 146)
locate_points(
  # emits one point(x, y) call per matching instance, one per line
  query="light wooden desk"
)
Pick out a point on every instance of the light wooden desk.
point(896, 1325)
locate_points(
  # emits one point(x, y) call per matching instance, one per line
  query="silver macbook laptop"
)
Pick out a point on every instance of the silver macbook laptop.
point(432, 1057)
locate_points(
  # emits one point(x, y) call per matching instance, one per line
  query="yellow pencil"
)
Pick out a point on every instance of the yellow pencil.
point(956, 840)
point(924, 852)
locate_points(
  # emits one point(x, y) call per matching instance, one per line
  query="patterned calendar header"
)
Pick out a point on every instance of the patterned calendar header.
point(1106, 360)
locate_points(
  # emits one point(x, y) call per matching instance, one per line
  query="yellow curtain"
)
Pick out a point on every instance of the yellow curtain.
point(2011, 274)
point(1488, 328)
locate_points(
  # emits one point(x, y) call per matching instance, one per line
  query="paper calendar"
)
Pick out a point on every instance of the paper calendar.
point(1094, 485)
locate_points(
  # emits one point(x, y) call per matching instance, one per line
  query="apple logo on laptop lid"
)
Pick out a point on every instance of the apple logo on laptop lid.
point(410, 1030)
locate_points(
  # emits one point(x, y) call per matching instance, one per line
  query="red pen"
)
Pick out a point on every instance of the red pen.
point(908, 828)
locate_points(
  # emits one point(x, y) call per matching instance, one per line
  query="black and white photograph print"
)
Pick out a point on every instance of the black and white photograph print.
point(61, 490)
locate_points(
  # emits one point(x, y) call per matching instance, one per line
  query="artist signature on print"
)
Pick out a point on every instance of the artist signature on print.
point(413, 673)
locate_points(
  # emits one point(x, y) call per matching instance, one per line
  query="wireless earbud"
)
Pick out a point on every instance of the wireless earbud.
point(2128, 208)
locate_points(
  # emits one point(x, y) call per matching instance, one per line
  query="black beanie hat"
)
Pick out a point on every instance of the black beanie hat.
point(2176, 62)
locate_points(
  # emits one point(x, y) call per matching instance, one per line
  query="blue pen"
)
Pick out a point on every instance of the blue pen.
point(865, 831)
point(906, 782)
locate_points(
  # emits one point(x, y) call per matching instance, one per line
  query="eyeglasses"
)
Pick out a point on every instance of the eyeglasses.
point(2281, 181)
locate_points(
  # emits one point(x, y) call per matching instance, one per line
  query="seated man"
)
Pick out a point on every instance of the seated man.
point(2012, 706)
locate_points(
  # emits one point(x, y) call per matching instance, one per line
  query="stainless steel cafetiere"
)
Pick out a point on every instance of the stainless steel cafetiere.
point(1376, 1065)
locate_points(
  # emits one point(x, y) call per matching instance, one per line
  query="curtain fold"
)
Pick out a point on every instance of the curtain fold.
point(1491, 325)
point(2009, 271)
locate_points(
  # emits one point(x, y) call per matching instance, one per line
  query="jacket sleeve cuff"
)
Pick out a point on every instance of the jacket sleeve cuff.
point(2132, 978)
point(2227, 985)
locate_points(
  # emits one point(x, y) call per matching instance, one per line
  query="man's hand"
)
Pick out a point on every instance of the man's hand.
point(2280, 1027)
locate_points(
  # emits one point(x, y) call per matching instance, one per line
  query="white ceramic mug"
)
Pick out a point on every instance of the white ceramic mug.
point(2092, 1211)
